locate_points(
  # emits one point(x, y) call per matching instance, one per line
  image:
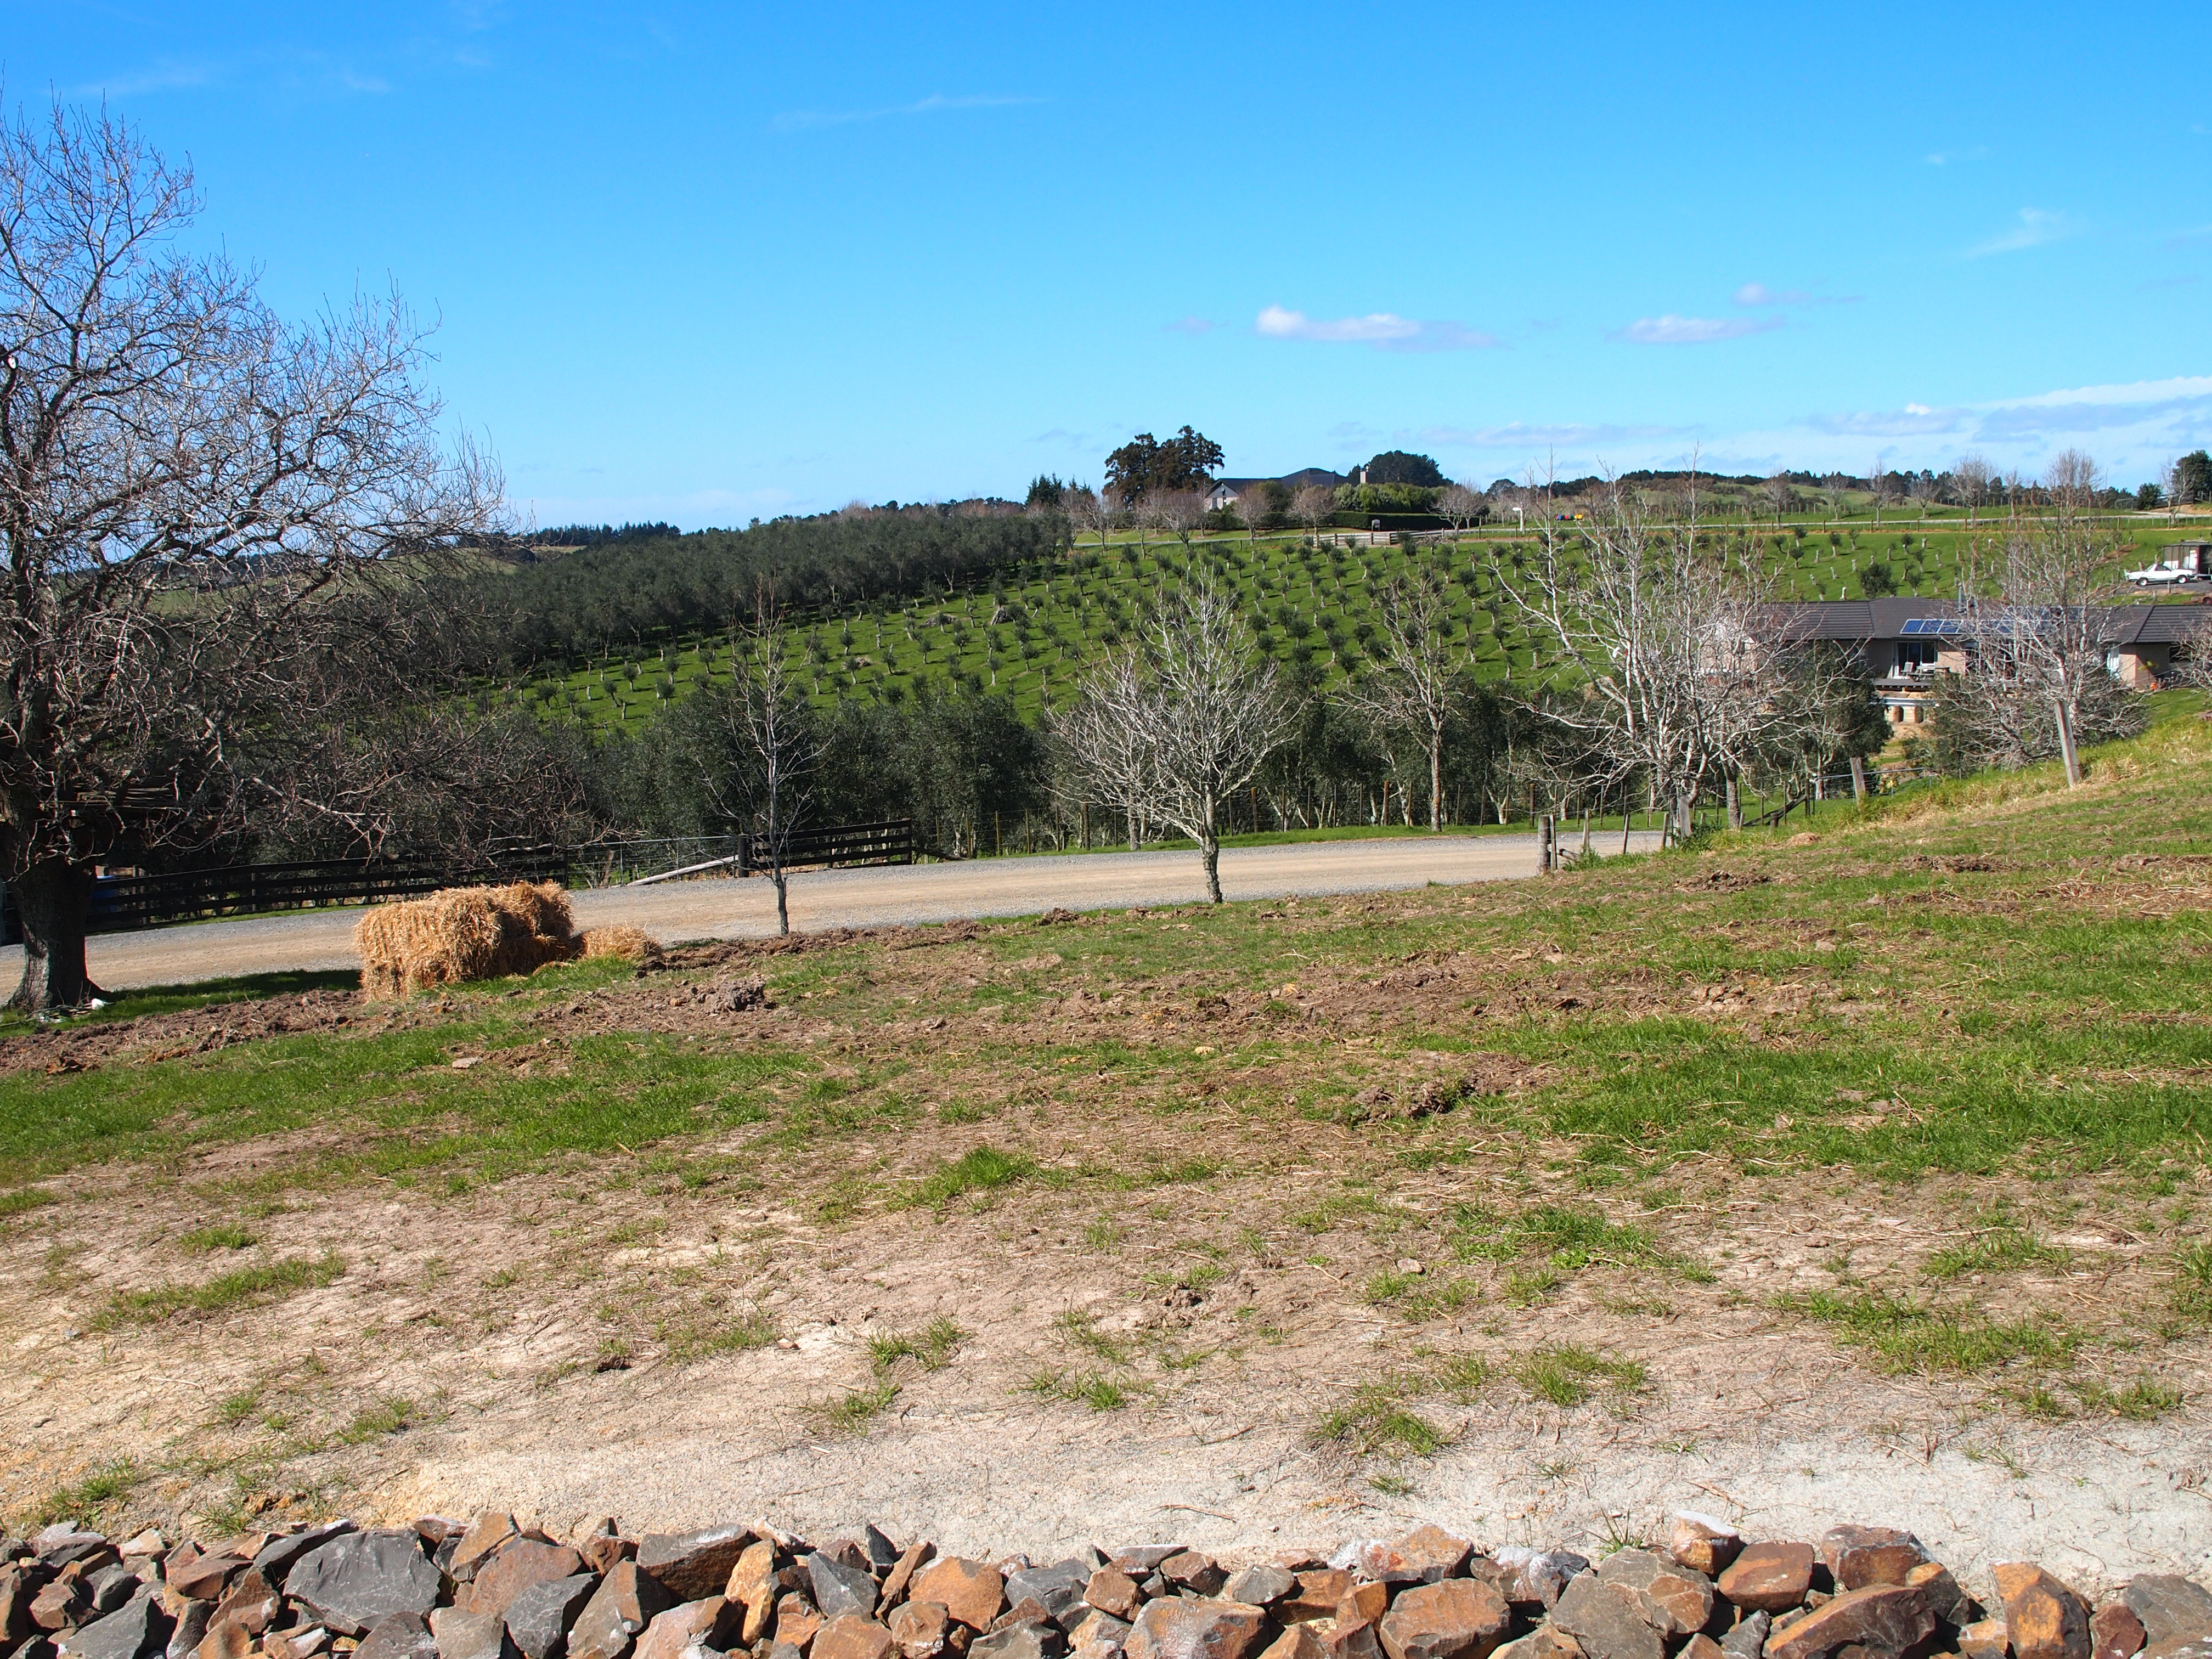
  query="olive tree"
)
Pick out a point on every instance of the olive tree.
point(197, 502)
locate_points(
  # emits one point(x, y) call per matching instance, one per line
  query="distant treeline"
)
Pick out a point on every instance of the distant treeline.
point(614, 593)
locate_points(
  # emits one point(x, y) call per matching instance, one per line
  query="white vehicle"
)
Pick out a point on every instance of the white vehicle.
point(2162, 574)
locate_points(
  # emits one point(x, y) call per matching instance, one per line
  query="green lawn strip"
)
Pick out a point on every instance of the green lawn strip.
point(250, 1286)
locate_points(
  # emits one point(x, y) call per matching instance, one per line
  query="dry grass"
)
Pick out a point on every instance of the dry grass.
point(479, 933)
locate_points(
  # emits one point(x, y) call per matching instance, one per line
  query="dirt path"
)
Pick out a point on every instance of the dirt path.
point(716, 908)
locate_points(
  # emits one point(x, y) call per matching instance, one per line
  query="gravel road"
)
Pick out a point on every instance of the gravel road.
point(711, 908)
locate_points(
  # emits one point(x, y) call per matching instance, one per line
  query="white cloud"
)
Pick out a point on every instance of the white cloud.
point(1382, 330)
point(1671, 330)
point(1913, 421)
point(1758, 293)
point(2036, 225)
point(804, 120)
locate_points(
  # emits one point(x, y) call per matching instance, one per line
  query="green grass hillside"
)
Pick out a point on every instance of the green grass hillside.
point(1027, 633)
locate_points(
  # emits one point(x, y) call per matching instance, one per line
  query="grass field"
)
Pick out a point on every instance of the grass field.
point(1534, 1127)
point(1029, 635)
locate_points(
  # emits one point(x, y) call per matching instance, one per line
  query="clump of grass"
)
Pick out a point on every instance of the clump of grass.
point(92, 1492)
point(386, 1418)
point(931, 1346)
point(1527, 1287)
point(982, 1168)
point(1376, 1418)
point(2143, 1400)
point(235, 1408)
point(1567, 1375)
point(1391, 1485)
point(857, 1409)
point(270, 1281)
point(227, 1236)
point(23, 1199)
point(1568, 1235)
point(1918, 1336)
point(1100, 1393)
point(1999, 1249)
point(2192, 1282)
point(707, 1333)
point(1104, 1234)
point(1417, 1297)
point(1078, 1329)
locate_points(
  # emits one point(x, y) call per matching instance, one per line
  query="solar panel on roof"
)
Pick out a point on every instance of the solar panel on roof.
point(1934, 625)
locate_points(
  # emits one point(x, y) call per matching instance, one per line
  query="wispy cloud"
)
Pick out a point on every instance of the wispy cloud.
point(1382, 330)
point(1758, 293)
point(1913, 421)
point(2191, 237)
point(167, 76)
point(2157, 282)
point(1671, 330)
point(2036, 225)
point(1944, 158)
point(1519, 436)
point(936, 103)
point(1061, 438)
point(287, 72)
point(1191, 325)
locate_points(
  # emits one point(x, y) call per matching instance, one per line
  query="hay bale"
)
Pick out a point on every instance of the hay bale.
point(463, 934)
point(630, 943)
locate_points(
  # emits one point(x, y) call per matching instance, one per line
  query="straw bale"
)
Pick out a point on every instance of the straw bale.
point(630, 943)
point(463, 934)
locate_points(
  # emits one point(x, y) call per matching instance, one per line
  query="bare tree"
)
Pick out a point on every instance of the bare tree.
point(193, 495)
point(1972, 477)
point(1923, 488)
point(2074, 478)
point(1170, 728)
point(1416, 686)
point(1312, 507)
point(1781, 493)
point(1460, 507)
point(1093, 510)
point(1832, 491)
point(1883, 487)
point(1178, 512)
point(1252, 506)
point(762, 724)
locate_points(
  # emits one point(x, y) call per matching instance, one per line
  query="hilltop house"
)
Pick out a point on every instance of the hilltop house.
point(1225, 491)
point(1903, 644)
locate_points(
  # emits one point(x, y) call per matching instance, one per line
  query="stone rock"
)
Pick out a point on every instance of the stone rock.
point(1172, 1628)
point(1950, 1604)
point(62, 1605)
point(1700, 1646)
point(1111, 1590)
point(2191, 1647)
point(137, 1628)
point(358, 1577)
point(972, 1592)
point(752, 1586)
point(191, 1627)
point(1352, 1638)
point(797, 1620)
point(921, 1630)
point(1856, 1556)
point(1299, 1642)
point(250, 1602)
point(625, 1602)
point(1530, 1578)
point(109, 1586)
point(1605, 1622)
point(226, 1638)
point(1097, 1635)
point(883, 1554)
point(1746, 1638)
point(397, 1636)
point(65, 1547)
point(603, 1553)
point(916, 1556)
point(1190, 1569)
point(523, 1562)
point(2114, 1632)
point(201, 1576)
point(1363, 1601)
point(2043, 1618)
point(1769, 1577)
point(1545, 1642)
point(841, 1589)
point(853, 1636)
point(1143, 1559)
point(312, 1640)
point(19, 1585)
point(1702, 1543)
point(1027, 1611)
point(1879, 1622)
point(1984, 1638)
point(1319, 1589)
point(708, 1622)
point(1453, 1618)
point(480, 1541)
point(538, 1616)
point(1258, 1587)
point(1029, 1638)
point(1426, 1555)
point(693, 1566)
point(2172, 1608)
point(1674, 1599)
point(461, 1634)
point(1058, 1588)
point(273, 1560)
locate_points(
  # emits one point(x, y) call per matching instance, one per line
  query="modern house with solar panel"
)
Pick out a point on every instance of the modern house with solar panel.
point(1902, 645)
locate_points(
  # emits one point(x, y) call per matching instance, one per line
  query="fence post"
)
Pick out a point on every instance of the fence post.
point(1546, 852)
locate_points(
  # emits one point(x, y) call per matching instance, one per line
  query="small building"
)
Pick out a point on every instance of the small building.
point(1225, 491)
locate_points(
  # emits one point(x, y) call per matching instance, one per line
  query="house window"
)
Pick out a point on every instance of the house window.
point(1914, 655)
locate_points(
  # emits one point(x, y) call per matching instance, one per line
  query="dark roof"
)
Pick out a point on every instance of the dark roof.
point(2157, 624)
point(1886, 619)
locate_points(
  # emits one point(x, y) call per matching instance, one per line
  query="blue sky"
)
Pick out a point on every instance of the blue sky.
point(706, 262)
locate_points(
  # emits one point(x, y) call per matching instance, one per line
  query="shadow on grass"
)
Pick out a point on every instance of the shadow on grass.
point(206, 993)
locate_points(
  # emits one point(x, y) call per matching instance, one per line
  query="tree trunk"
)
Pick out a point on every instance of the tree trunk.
point(1735, 803)
point(52, 901)
point(2066, 749)
point(1437, 782)
point(1858, 777)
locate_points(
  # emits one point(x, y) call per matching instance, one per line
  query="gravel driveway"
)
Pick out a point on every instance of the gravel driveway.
point(712, 907)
